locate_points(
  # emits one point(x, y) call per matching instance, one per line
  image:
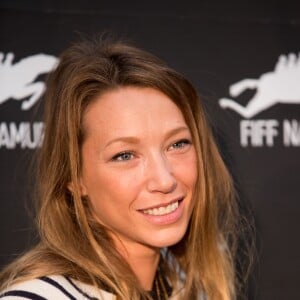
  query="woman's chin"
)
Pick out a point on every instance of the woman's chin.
point(167, 240)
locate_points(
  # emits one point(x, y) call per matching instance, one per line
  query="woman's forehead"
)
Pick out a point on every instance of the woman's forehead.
point(132, 109)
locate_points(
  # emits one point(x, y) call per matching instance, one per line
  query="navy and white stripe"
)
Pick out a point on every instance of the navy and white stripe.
point(80, 290)
point(54, 288)
point(59, 287)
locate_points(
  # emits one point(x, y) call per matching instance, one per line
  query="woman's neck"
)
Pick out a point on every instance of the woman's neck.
point(145, 267)
point(143, 260)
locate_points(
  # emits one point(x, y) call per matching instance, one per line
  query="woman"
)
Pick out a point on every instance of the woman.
point(134, 199)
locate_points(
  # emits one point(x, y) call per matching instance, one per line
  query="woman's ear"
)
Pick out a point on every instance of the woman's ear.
point(83, 189)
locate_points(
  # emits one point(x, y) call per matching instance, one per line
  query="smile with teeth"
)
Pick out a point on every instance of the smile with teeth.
point(163, 210)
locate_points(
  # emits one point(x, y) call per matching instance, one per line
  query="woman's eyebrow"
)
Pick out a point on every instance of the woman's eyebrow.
point(176, 131)
point(135, 140)
point(125, 139)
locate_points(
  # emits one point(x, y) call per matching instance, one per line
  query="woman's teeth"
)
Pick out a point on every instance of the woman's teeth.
point(163, 210)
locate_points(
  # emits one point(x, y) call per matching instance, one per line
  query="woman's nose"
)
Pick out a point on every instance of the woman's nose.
point(160, 175)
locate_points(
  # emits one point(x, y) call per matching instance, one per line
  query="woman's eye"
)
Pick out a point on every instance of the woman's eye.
point(123, 156)
point(180, 144)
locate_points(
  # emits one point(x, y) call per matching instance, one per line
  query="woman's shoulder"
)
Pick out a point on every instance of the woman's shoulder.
point(54, 287)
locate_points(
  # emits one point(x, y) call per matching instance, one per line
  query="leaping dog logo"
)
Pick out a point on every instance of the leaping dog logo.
point(17, 80)
point(279, 86)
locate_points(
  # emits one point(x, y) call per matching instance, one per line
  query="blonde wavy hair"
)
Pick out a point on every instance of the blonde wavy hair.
point(71, 242)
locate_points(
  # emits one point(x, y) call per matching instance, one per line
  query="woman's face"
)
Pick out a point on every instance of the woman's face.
point(139, 167)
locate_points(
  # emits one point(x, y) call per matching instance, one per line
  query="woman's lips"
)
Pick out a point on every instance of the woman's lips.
point(165, 213)
point(162, 210)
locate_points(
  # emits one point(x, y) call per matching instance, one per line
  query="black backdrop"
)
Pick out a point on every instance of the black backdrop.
point(215, 44)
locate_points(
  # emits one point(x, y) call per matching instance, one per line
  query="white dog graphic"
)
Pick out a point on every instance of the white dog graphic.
point(17, 80)
point(280, 86)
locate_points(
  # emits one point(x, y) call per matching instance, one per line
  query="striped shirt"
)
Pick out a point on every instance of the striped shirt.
point(54, 287)
point(58, 287)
